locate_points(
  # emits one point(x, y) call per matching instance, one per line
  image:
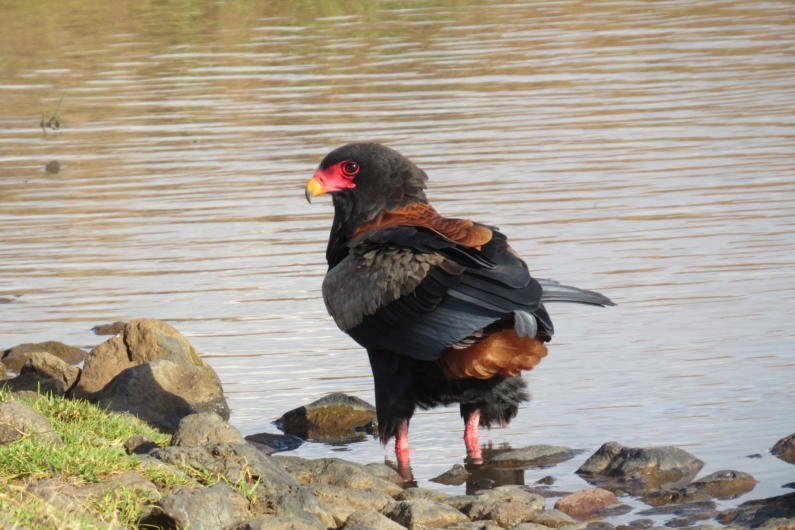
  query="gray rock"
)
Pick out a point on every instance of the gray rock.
point(385, 472)
point(298, 504)
point(233, 462)
point(200, 428)
point(534, 456)
point(553, 519)
point(639, 470)
point(270, 443)
point(14, 358)
point(422, 513)
point(163, 392)
point(139, 342)
point(335, 471)
point(360, 499)
point(370, 520)
point(785, 449)
point(759, 512)
point(17, 420)
point(218, 506)
point(410, 494)
point(140, 444)
point(725, 484)
point(455, 476)
point(43, 372)
point(335, 418)
point(675, 496)
point(280, 522)
point(506, 505)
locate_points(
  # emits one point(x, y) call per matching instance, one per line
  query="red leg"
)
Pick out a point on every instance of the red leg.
point(471, 440)
point(402, 450)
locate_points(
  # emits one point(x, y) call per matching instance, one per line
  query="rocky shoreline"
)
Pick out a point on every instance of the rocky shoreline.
point(150, 370)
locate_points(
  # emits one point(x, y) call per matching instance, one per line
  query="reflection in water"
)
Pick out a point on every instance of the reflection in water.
point(638, 149)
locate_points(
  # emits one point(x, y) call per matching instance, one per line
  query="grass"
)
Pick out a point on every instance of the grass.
point(92, 451)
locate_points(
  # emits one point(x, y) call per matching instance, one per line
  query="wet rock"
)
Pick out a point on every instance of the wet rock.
point(14, 358)
point(218, 506)
point(598, 525)
point(639, 470)
point(675, 496)
point(689, 520)
point(546, 481)
point(613, 510)
point(455, 476)
point(200, 428)
point(725, 484)
point(140, 444)
point(336, 472)
point(505, 505)
point(421, 513)
point(273, 443)
point(17, 420)
point(553, 519)
point(684, 509)
point(534, 456)
point(45, 373)
point(53, 166)
point(410, 494)
point(139, 342)
point(585, 502)
point(370, 520)
point(785, 449)
point(109, 329)
point(163, 392)
point(335, 418)
point(757, 513)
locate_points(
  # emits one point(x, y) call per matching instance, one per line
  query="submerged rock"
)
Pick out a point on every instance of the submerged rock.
point(14, 358)
point(335, 418)
point(761, 511)
point(534, 456)
point(785, 449)
point(639, 470)
point(18, 420)
point(270, 443)
point(725, 484)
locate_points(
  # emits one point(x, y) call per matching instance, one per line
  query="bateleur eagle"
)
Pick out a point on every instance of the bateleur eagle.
point(447, 311)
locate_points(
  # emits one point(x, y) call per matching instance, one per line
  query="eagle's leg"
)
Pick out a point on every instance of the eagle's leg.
point(471, 440)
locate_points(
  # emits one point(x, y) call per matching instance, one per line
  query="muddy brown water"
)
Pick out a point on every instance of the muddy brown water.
point(641, 149)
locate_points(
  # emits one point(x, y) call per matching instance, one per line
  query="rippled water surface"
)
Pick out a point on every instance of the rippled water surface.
point(646, 150)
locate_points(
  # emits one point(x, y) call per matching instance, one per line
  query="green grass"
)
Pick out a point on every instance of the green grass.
point(92, 451)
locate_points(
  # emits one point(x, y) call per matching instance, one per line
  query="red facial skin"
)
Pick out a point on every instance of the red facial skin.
point(334, 178)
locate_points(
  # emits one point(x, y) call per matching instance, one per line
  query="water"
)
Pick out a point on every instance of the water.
point(643, 150)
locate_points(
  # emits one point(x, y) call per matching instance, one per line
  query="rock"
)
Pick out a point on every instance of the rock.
point(43, 372)
point(422, 513)
point(359, 499)
point(675, 496)
point(613, 510)
point(281, 522)
point(3, 371)
point(17, 420)
point(139, 342)
point(639, 470)
point(455, 476)
point(725, 484)
point(109, 329)
point(385, 472)
point(534, 456)
point(197, 429)
point(335, 418)
point(530, 526)
point(478, 525)
point(299, 503)
point(505, 505)
point(14, 358)
point(759, 512)
point(273, 443)
point(24, 395)
point(553, 519)
point(585, 502)
point(684, 509)
point(218, 506)
point(71, 497)
point(546, 481)
point(163, 392)
point(410, 494)
point(336, 472)
point(785, 449)
point(140, 444)
point(370, 520)
point(234, 463)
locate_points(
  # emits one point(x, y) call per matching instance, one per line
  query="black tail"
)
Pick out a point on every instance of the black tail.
point(555, 292)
